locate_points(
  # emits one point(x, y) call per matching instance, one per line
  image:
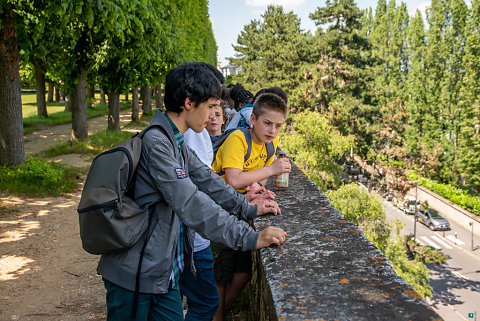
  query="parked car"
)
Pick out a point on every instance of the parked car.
point(345, 178)
point(433, 219)
point(388, 196)
point(409, 205)
point(363, 179)
point(352, 169)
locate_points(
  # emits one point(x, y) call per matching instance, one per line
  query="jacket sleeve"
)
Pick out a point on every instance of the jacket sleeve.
point(195, 208)
point(216, 188)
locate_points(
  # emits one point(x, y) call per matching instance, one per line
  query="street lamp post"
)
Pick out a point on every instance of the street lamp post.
point(415, 214)
point(416, 201)
point(471, 224)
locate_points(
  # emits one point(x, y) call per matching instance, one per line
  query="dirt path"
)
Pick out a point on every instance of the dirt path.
point(46, 138)
point(44, 272)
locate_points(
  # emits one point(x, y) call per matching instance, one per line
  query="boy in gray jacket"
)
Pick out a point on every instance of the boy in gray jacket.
point(183, 196)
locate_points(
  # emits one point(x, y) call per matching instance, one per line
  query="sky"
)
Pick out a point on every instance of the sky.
point(230, 16)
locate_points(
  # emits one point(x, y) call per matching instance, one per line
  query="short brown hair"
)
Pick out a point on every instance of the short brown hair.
point(269, 101)
point(224, 115)
point(272, 90)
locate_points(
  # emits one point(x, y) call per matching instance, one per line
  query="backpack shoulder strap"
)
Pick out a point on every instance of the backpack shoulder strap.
point(248, 139)
point(270, 150)
point(221, 140)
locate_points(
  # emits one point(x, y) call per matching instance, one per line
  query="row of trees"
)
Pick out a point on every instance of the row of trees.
point(401, 85)
point(116, 45)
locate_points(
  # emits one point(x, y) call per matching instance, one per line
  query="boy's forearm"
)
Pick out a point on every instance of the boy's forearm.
point(195, 208)
point(223, 194)
point(238, 179)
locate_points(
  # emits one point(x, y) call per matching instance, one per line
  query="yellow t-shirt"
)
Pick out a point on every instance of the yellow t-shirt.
point(231, 154)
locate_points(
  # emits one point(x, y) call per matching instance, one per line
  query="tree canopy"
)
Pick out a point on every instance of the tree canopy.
point(115, 45)
point(400, 85)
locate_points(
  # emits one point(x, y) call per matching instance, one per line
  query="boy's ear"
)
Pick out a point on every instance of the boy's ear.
point(252, 119)
point(188, 104)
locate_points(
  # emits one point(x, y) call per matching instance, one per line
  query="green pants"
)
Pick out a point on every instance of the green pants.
point(151, 307)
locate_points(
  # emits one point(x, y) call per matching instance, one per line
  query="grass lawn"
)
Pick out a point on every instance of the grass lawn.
point(56, 113)
point(29, 105)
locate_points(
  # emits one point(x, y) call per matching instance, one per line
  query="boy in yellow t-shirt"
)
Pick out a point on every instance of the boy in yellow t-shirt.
point(233, 268)
point(268, 116)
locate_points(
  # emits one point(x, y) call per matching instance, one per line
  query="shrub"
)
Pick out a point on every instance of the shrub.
point(314, 146)
point(37, 177)
point(454, 194)
point(366, 211)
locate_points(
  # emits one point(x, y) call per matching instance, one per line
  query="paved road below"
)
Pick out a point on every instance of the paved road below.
point(457, 283)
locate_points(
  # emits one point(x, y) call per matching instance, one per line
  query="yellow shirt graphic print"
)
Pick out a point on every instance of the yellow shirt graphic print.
point(232, 153)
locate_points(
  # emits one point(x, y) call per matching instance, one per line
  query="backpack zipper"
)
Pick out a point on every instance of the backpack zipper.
point(107, 206)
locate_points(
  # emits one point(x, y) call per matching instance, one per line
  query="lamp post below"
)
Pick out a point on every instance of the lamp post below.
point(415, 213)
point(471, 224)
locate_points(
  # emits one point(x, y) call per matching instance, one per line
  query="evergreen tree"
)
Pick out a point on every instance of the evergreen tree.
point(455, 39)
point(271, 52)
point(434, 92)
point(388, 37)
point(337, 84)
point(416, 86)
point(469, 102)
point(436, 56)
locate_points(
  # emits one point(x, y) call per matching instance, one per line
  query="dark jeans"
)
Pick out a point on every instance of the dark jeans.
point(151, 307)
point(200, 289)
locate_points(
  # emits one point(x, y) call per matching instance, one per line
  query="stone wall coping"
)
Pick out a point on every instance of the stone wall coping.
point(327, 269)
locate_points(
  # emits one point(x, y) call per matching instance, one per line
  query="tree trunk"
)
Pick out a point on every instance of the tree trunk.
point(51, 85)
point(147, 100)
point(90, 96)
point(114, 110)
point(126, 95)
point(40, 90)
point(57, 94)
point(68, 103)
point(102, 97)
point(135, 105)
point(142, 93)
point(79, 108)
point(158, 97)
point(12, 150)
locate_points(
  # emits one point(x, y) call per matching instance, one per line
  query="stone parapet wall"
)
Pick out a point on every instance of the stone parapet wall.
point(327, 269)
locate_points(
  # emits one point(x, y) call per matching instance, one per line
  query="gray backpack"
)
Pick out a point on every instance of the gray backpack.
point(109, 218)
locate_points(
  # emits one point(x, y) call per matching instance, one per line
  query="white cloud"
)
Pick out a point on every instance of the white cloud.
point(258, 12)
point(263, 3)
point(422, 7)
